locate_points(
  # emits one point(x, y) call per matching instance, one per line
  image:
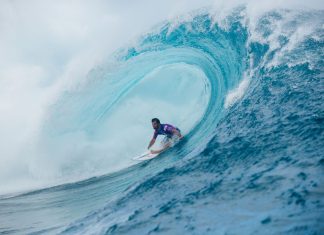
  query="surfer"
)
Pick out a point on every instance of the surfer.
point(163, 129)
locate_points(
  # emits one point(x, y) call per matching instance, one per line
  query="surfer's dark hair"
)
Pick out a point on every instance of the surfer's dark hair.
point(156, 120)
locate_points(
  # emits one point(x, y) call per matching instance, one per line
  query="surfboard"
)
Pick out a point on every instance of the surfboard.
point(145, 156)
point(149, 155)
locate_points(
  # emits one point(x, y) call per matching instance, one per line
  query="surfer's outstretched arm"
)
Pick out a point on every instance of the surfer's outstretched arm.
point(151, 143)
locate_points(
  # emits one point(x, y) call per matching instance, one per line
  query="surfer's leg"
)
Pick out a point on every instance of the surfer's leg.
point(166, 142)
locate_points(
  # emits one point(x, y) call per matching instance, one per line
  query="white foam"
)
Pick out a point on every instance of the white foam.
point(236, 94)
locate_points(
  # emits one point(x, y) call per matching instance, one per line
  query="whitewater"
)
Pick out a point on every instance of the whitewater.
point(80, 83)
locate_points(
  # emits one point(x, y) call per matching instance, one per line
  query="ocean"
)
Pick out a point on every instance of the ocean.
point(247, 92)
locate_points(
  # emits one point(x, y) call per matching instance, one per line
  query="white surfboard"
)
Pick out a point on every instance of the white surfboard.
point(149, 155)
point(145, 156)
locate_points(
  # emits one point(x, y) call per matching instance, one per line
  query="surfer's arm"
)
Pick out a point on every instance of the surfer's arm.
point(151, 143)
point(176, 132)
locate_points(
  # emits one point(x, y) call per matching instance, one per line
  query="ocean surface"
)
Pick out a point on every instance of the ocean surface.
point(248, 94)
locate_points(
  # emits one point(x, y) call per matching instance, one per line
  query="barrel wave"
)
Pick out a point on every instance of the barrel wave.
point(247, 94)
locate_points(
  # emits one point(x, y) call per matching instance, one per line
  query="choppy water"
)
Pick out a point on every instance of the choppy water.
point(247, 95)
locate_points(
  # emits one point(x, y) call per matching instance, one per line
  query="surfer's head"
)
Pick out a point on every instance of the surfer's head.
point(156, 123)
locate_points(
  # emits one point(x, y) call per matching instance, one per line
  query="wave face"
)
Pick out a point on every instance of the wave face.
point(247, 93)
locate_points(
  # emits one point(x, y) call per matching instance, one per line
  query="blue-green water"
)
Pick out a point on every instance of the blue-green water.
point(250, 101)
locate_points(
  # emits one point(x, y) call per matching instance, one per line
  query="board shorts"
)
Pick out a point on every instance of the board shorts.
point(170, 139)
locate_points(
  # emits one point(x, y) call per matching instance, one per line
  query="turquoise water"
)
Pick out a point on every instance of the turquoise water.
point(250, 102)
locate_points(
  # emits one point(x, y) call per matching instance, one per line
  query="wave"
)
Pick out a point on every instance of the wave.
point(254, 134)
point(248, 94)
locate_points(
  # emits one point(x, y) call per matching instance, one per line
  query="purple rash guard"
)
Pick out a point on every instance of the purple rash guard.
point(165, 129)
